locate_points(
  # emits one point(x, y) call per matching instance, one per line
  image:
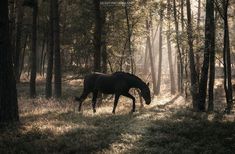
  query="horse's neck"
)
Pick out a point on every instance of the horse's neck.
point(137, 83)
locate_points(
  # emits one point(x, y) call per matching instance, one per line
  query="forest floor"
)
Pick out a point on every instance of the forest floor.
point(167, 125)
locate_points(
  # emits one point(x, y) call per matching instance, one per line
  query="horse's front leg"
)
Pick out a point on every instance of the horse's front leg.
point(115, 102)
point(81, 99)
point(133, 99)
point(95, 93)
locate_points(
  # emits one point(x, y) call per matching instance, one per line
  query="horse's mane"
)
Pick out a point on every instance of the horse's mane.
point(131, 75)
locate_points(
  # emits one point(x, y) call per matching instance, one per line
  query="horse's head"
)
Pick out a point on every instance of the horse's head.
point(145, 93)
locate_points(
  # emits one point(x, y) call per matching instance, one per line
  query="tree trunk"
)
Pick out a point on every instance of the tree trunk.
point(198, 39)
point(8, 94)
point(179, 53)
point(129, 37)
point(42, 52)
point(19, 19)
point(97, 36)
point(57, 62)
point(227, 59)
point(33, 52)
point(160, 56)
point(151, 58)
point(193, 73)
point(104, 47)
point(23, 55)
point(208, 49)
point(169, 50)
point(212, 66)
point(50, 54)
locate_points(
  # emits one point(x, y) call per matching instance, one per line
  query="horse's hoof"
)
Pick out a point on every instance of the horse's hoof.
point(113, 112)
point(94, 111)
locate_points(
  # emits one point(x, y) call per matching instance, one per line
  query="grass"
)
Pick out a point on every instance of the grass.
point(51, 126)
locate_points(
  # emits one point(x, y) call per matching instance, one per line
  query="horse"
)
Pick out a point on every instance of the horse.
point(118, 83)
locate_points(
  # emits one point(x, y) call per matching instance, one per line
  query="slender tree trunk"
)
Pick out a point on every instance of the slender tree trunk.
point(173, 89)
point(209, 24)
point(198, 38)
point(23, 55)
point(212, 66)
point(129, 37)
point(19, 19)
point(146, 58)
point(104, 47)
point(42, 52)
point(151, 58)
point(227, 59)
point(193, 73)
point(57, 62)
point(97, 36)
point(50, 54)
point(33, 53)
point(179, 53)
point(160, 56)
point(8, 94)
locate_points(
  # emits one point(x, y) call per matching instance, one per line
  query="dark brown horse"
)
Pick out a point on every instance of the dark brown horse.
point(118, 83)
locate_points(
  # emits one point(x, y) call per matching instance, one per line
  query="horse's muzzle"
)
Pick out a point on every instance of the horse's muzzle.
point(148, 102)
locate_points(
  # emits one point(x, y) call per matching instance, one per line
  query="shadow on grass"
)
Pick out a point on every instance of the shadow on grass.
point(184, 133)
point(88, 134)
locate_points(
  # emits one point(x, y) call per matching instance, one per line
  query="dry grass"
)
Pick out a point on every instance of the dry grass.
point(166, 126)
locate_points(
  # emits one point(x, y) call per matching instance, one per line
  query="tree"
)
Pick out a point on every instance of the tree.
point(223, 11)
point(179, 53)
point(160, 54)
point(19, 18)
point(103, 43)
point(209, 42)
point(8, 93)
point(149, 49)
point(129, 36)
point(193, 73)
point(173, 90)
point(212, 64)
point(50, 54)
point(97, 36)
point(33, 52)
point(57, 62)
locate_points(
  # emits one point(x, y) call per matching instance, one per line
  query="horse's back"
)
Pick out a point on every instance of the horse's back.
point(90, 80)
point(105, 83)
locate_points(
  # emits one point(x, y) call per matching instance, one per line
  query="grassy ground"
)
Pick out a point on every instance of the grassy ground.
point(166, 126)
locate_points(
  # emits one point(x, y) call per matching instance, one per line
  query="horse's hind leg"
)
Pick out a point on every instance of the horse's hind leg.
point(115, 102)
point(133, 99)
point(95, 93)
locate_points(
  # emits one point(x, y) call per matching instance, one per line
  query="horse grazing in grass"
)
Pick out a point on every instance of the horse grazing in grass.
point(118, 83)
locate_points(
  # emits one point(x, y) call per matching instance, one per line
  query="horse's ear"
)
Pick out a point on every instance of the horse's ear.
point(148, 84)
